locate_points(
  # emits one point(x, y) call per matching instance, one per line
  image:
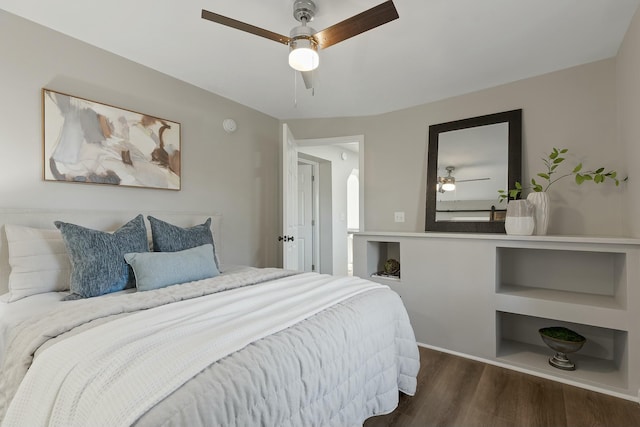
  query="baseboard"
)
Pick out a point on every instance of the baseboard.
point(535, 373)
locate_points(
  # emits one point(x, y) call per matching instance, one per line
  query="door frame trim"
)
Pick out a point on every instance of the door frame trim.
point(315, 208)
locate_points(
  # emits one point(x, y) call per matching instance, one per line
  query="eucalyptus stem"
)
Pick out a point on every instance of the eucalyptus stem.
point(552, 162)
point(556, 180)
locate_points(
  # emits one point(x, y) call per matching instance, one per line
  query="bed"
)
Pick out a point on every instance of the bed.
point(229, 346)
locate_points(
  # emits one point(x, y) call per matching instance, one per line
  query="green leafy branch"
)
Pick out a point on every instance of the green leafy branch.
point(551, 176)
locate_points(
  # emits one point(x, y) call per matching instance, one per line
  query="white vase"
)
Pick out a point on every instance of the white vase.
point(540, 200)
point(519, 220)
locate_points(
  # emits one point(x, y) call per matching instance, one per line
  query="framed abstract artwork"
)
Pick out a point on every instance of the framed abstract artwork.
point(89, 142)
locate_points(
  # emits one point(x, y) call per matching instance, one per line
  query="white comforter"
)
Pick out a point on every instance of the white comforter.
point(113, 373)
point(105, 362)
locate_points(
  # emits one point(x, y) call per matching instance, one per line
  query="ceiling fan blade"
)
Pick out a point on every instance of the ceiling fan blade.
point(358, 24)
point(307, 76)
point(242, 26)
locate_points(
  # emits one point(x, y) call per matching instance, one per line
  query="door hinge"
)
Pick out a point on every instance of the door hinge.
point(313, 222)
point(313, 178)
point(313, 267)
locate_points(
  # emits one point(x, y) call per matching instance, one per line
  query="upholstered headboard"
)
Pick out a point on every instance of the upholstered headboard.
point(99, 220)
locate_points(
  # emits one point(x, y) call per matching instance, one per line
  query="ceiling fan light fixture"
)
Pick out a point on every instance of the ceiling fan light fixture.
point(449, 184)
point(303, 55)
point(304, 41)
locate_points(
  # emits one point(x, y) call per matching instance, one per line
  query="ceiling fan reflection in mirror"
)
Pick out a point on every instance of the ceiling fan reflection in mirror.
point(304, 41)
point(448, 183)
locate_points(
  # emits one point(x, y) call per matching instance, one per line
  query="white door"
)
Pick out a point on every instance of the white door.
point(289, 237)
point(305, 217)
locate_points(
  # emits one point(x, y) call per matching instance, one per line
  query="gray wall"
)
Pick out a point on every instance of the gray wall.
point(573, 108)
point(233, 174)
point(591, 109)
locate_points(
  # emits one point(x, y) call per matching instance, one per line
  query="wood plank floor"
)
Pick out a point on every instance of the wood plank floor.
point(454, 391)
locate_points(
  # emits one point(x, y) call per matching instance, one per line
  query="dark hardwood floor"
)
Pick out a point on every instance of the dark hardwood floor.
point(454, 391)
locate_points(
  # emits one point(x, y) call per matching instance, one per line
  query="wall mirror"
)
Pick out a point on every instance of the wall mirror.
point(468, 161)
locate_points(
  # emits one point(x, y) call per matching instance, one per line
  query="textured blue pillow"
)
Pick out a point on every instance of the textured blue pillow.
point(155, 270)
point(97, 257)
point(171, 238)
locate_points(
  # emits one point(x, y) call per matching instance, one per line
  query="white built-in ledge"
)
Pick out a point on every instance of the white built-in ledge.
point(497, 236)
point(486, 296)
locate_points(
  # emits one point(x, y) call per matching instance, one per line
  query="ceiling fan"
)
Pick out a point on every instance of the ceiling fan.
point(304, 41)
point(448, 183)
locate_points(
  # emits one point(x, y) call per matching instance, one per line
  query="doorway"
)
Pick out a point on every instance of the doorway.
point(338, 160)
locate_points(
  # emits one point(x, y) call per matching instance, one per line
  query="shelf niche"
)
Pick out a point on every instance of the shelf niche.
point(601, 362)
point(378, 253)
point(571, 276)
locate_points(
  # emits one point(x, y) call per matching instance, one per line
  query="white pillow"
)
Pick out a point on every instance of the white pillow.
point(39, 261)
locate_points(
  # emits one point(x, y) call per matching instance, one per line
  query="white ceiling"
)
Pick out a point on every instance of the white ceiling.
point(435, 50)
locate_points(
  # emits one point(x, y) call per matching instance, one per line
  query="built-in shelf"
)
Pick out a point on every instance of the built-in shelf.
point(488, 295)
point(378, 252)
point(601, 362)
point(585, 277)
point(560, 283)
point(568, 297)
point(591, 370)
point(383, 277)
point(577, 308)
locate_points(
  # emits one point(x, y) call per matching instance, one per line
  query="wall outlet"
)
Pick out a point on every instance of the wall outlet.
point(398, 216)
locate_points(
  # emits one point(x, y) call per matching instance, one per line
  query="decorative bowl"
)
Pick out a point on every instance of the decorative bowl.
point(562, 341)
point(392, 267)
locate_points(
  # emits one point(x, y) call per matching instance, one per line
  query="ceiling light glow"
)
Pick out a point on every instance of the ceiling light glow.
point(304, 54)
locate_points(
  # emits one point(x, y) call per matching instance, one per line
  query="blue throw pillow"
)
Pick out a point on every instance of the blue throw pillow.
point(171, 238)
point(155, 270)
point(97, 257)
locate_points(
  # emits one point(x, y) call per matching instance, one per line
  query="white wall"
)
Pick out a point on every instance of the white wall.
point(233, 174)
point(573, 108)
point(628, 90)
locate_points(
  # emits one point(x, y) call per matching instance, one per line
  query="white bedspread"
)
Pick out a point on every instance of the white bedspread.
point(15, 312)
point(90, 378)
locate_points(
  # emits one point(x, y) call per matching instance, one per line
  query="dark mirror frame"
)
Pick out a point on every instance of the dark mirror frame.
point(514, 119)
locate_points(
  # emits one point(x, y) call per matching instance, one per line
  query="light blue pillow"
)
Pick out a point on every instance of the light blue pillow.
point(155, 270)
point(97, 257)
